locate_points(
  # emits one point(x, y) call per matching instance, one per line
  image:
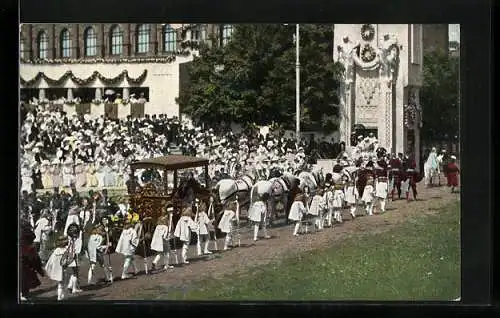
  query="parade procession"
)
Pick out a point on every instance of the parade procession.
point(107, 199)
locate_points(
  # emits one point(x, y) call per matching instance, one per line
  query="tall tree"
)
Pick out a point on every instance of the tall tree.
point(439, 96)
point(257, 83)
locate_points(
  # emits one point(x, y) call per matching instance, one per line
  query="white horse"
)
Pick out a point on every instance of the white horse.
point(312, 180)
point(431, 168)
point(229, 188)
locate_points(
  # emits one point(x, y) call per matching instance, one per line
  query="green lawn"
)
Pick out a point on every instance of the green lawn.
point(419, 260)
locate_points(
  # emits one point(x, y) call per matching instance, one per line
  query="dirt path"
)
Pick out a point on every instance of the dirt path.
point(281, 245)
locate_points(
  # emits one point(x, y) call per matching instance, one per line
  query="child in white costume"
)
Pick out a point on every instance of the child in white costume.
point(317, 209)
point(54, 268)
point(351, 197)
point(368, 195)
point(43, 227)
point(75, 243)
point(226, 224)
point(258, 215)
point(161, 240)
point(203, 222)
point(183, 230)
point(338, 200)
point(97, 247)
point(328, 196)
point(126, 246)
point(297, 211)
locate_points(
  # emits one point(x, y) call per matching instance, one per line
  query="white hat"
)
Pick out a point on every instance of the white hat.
point(55, 161)
point(453, 157)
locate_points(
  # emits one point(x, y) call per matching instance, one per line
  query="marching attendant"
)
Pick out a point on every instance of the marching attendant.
point(297, 210)
point(30, 263)
point(258, 214)
point(338, 200)
point(226, 224)
point(161, 241)
point(43, 228)
point(97, 247)
point(203, 222)
point(55, 265)
point(395, 176)
point(452, 172)
point(351, 196)
point(317, 209)
point(183, 230)
point(74, 234)
point(381, 183)
point(409, 166)
point(127, 244)
point(328, 196)
point(368, 192)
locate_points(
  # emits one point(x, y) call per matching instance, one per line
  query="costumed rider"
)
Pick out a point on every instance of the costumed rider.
point(369, 189)
point(381, 183)
point(56, 266)
point(74, 232)
point(97, 247)
point(183, 230)
point(203, 222)
point(127, 244)
point(161, 240)
point(317, 209)
point(227, 222)
point(297, 210)
point(258, 215)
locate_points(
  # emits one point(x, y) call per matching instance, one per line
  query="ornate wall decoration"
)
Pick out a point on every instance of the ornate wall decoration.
point(346, 54)
point(367, 53)
point(85, 81)
point(389, 57)
point(368, 87)
point(367, 32)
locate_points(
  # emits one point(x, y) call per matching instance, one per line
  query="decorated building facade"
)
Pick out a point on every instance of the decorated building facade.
point(117, 69)
point(381, 84)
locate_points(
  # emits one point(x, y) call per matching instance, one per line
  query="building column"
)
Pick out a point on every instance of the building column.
point(41, 94)
point(416, 130)
point(346, 111)
point(98, 93)
point(126, 93)
point(70, 94)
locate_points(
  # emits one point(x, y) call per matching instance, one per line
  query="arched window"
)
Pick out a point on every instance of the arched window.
point(90, 42)
point(142, 38)
point(43, 45)
point(227, 30)
point(169, 39)
point(116, 40)
point(65, 43)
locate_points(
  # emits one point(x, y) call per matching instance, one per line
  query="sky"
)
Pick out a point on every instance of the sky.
point(454, 32)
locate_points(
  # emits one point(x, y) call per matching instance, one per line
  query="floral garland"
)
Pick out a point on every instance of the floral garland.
point(85, 81)
point(367, 32)
point(367, 53)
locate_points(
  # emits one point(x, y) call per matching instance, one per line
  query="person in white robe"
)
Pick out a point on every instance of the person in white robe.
point(317, 209)
point(97, 246)
point(127, 244)
point(183, 230)
point(75, 246)
point(258, 215)
point(67, 173)
point(297, 210)
point(56, 174)
point(368, 195)
point(226, 224)
point(161, 241)
point(99, 167)
point(54, 269)
point(329, 200)
point(81, 175)
point(351, 196)
point(203, 222)
point(92, 181)
point(338, 201)
point(46, 176)
point(43, 227)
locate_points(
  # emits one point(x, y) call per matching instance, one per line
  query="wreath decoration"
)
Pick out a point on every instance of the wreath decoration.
point(367, 53)
point(367, 32)
point(85, 81)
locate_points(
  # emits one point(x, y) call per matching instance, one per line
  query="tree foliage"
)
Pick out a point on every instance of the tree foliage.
point(440, 96)
point(257, 83)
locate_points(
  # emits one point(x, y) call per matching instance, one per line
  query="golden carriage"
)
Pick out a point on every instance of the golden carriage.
point(150, 202)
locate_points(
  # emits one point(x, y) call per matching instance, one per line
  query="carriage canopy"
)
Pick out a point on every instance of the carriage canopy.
point(171, 162)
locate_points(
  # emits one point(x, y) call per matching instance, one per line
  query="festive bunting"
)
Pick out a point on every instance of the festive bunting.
point(85, 81)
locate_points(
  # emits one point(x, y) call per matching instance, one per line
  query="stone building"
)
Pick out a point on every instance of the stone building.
point(92, 63)
point(381, 84)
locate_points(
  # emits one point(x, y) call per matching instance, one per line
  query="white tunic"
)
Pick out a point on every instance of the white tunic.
point(128, 242)
point(368, 194)
point(328, 196)
point(160, 239)
point(53, 267)
point(257, 211)
point(338, 198)
point(318, 205)
point(226, 222)
point(203, 222)
point(78, 242)
point(42, 230)
point(297, 211)
point(95, 244)
point(184, 228)
point(351, 194)
point(381, 189)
